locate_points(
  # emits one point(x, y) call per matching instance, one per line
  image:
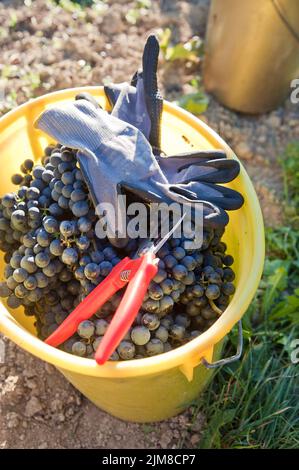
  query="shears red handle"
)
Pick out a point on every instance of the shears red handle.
point(138, 273)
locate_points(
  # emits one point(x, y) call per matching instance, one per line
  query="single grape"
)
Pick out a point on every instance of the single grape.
point(67, 228)
point(78, 195)
point(32, 194)
point(197, 290)
point(56, 247)
point(155, 291)
point(83, 243)
point(37, 171)
point(162, 333)
point(55, 210)
point(96, 343)
point(167, 286)
point(8, 200)
point(67, 190)
point(50, 269)
point(42, 280)
point(151, 321)
point(79, 348)
point(63, 202)
point(20, 291)
point(4, 290)
point(70, 256)
point(189, 262)
point(67, 177)
point(140, 335)
point(126, 350)
point(177, 332)
point(101, 326)
point(166, 305)
point(228, 288)
point(179, 272)
point(228, 260)
point(43, 238)
point(212, 291)
point(47, 176)
point(228, 275)
point(167, 321)
point(92, 271)
point(15, 260)
point(20, 274)
point(50, 224)
point(160, 276)
point(17, 179)
point(105, 268)
point(80, 208)
point(86, 329)
point(30, 283)
point(13, 301)
point(84, 225)
point(109, 253)
point(97, 256)
point(154, 347)
point(28, 263)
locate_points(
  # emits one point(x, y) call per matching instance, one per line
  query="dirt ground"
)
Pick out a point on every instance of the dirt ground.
point(45, 48)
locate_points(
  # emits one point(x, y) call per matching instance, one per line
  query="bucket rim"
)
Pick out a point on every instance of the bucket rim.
point(195, 349)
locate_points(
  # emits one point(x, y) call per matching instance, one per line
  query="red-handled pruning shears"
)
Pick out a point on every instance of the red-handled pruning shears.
point(138, 273)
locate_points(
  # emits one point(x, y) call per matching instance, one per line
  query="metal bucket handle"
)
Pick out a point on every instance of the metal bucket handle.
point(228, 360)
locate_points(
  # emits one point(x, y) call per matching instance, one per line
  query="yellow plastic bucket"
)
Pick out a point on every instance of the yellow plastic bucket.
point(159, 387)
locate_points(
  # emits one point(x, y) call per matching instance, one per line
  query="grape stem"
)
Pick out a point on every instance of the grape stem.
point(215, 308)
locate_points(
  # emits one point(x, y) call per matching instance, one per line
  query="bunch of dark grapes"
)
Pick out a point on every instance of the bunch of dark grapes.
point(54, 260)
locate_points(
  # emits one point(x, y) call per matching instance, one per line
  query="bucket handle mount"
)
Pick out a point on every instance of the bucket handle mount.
point(228, 360)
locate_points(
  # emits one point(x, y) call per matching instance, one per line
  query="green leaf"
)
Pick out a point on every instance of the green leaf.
point(276, 272)
point(164, 36)
point(190, 50)
point(195, 103)
point(212, 438)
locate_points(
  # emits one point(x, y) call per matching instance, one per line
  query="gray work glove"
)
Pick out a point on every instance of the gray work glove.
point(115, 157)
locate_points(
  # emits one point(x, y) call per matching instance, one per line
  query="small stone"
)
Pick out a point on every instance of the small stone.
point(165, 440)
point(60, 418)
point(243, 151)
point(262, 139)
point(274, 121)
point(43, 445)
point(12, 420)
point(49, 368)
point(29, 372)
point(195, 438)
point(31, 384)
point(33, 407)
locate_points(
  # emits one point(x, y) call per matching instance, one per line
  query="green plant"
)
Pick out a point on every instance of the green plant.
point(140, 9)
point(191, 50)
point(290, 165)
point(197, 101)
point(254, 403)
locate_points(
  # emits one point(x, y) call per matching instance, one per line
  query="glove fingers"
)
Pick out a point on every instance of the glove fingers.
point(214, 217)
point(153, 98)
point(232, 199)
point(88, 97)
point(198, 154)
point(213, 171)
point(213, 214)
point(223, 197)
